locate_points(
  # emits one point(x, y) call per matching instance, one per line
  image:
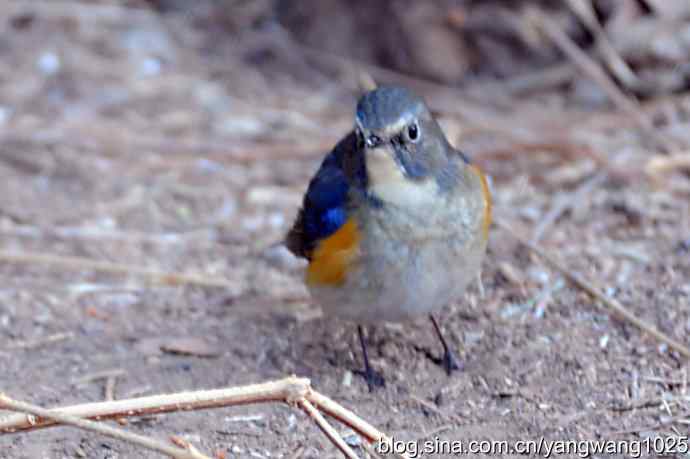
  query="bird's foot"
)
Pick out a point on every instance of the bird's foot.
point(373, 378)
point(450, 362)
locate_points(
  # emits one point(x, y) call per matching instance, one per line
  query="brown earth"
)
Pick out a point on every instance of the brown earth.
point(155, 140)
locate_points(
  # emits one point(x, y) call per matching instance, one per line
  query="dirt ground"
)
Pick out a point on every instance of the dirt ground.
point(165, 144)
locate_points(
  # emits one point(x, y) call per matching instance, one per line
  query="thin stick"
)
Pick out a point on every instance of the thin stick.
point(291, 388)
point(79, 263)
point(298, 453)
point(585, 11)
point(659, 165)
point(562, 204)
point(663, 423)
point(582, 283)
point(350, 419)
point(648, 403)
point(327, 429)
point(105, 374)
point(145, 442)
point(38, 342)
point(109, 391)
point(594, 71)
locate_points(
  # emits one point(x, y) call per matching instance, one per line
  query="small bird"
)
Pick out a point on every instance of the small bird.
point(395, 222)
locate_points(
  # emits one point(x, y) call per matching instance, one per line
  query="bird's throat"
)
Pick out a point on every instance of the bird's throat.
point(388, 183)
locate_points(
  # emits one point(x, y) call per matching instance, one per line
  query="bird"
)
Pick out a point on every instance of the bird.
point(395, 222)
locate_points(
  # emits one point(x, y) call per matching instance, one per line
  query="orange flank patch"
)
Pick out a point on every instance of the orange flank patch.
point(486, 223)
point(333, 256)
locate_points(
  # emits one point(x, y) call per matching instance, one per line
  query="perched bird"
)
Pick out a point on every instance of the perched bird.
point(395, 222)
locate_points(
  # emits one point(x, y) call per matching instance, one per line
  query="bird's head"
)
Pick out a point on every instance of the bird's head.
point(406, 154)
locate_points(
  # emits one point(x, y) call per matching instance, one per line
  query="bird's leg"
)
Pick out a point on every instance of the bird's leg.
point(373, 378)
point(449, 361)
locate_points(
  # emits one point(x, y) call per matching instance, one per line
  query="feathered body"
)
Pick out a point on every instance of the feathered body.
point(394, 224)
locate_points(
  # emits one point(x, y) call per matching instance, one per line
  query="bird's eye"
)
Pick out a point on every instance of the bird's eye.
point(413, 132)
point(373, 141)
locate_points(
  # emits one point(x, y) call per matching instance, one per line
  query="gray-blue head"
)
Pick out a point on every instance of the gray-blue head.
point(399, 137)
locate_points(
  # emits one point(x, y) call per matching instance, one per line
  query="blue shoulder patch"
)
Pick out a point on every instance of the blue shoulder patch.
point(325, 202)
point(325, 206)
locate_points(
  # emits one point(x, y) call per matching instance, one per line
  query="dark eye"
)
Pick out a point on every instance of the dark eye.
point(373, 141)
point(413, 132)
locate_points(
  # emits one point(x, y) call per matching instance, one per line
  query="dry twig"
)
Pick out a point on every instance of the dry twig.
point(585, 11)
point(58, 416)
point(292, 390)
point(38, 342)
point(594, 71)
point(582, 283)
point(327, 429)
point(563, 203)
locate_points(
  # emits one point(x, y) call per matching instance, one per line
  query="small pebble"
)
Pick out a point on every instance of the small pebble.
point(347, 379)
point(603, 341)
point(510, 273)
point(352, 439)
point(538, 275)
point(253, 222)
point(208, 166)
point(48, 63)
point(240, 126)
point(472, 337)
point(276, 220)
point(150, 67)
point(5, 113)
point(439, 400)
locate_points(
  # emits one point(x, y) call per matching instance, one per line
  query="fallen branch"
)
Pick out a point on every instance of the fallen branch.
point(582, 283)
point(291, 390)
point(103, 429)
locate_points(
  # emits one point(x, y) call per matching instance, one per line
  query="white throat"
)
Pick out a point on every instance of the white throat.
point(388, 183)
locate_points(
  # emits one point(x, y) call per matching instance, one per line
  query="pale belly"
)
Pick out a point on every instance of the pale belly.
point(399, 281)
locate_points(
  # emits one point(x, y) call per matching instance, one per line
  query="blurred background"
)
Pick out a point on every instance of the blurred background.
point(154, 153)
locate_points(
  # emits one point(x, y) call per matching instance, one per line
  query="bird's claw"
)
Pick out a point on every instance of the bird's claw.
point(450, 362)
point(373, 378)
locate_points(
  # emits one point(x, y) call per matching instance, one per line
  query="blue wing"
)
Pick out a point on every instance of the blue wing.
point(324, 209)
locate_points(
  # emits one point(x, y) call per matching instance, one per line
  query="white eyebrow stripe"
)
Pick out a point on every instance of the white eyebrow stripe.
point(396, 127)
point(391, 129)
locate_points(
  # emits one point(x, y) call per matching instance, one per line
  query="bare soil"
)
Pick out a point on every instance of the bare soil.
point(145, 139)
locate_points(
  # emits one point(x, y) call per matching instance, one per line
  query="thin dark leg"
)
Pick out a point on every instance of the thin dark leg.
point(373, 378)
point(449, 361)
